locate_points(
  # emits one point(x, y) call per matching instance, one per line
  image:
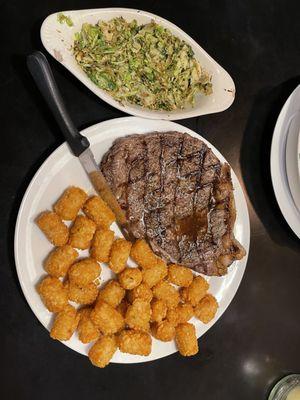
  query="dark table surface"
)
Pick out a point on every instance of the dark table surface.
point(257, 339)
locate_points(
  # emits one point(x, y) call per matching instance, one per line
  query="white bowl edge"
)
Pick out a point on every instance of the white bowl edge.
point(51, 36)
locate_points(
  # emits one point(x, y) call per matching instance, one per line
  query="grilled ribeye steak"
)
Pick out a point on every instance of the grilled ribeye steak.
point(178, 196)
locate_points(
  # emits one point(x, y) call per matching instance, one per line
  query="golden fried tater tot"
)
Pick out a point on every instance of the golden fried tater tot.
point(87, 331)
point(142, 254)
point(130, 278)
point(53, 227)
point(70, 203)
point(184, 295)
point(154, 274)
point(196, 291)
point(82, 232)
point(97, 210)
point(82, 294)
point(120, 252)
point(138, 315)
point(184, 312)
point(180, 275)
point(112, 293)
point(140, 292)
point(122, 307)
point(101, 244)
point(84, 272)
point(106, 318)
point(53, 294)
point(186, 340)
point(206, 309)
point(159, 310)
point(165, 291)
point(172, 316)
point(135, 342)
point(65, 323)
point(102, 351)
point(164, 331)
point(59, 260)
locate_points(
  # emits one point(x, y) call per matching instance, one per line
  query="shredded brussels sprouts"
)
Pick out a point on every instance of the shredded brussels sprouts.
point(61, 18)
point(141, 64)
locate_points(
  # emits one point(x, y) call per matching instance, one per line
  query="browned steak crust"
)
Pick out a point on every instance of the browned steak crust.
point(178, 196)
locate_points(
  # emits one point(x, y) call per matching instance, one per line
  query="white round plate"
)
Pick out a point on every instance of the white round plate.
point(61, 170)
point(278, 162)
point(298, 155)
point(292, 156)
point(58, 40)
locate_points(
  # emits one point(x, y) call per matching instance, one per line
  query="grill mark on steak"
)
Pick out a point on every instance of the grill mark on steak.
point(152, 196)
point(204, 210)
point(171, 148)
point(207, 245)
point(178, 196)
point(136, 186)
point(179, 155)
point(187, 222)
point(160, 229)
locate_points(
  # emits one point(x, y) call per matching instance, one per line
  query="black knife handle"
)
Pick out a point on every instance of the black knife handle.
point(43, 76)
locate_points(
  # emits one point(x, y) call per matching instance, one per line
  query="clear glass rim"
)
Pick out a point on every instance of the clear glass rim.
point(295, 379)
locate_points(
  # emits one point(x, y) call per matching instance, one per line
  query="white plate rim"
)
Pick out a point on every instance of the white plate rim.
point(278, 168)
point(298, 154)
point(228, 84)
point(239, 269)
point(292, 157)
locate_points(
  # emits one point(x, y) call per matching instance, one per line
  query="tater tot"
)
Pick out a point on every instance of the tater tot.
point(164, 331)
point(106, 318)
point(206, 309)
point(59, 260)
point(158, 310)
point(84, 272)
point(53, 294)
point(130, 278)
point(184, 313)
point(122, 307)
point(112, 293)
point(184, 295)
point(70, 203)
point(142, 291)
point(154, 274)
point(82, 294)
point(53, 227)
point(65, 323)
point(102, 351)
point(138, 315)
point(82, 232)
point(142, 254)
point(172, 316)
point(97, 210)
point(180, 275)
point(165, 291)
point(186, 339)
point(87, 331)
point(135, 342)
point(196, 291)
point(120, 252)
point(101, 244)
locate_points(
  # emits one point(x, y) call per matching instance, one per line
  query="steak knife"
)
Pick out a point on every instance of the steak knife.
point(79, 144)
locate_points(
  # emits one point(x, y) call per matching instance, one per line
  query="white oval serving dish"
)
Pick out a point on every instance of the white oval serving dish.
point(58, 39)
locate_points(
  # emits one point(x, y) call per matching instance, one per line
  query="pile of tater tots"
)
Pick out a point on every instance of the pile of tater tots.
point(150, 299)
